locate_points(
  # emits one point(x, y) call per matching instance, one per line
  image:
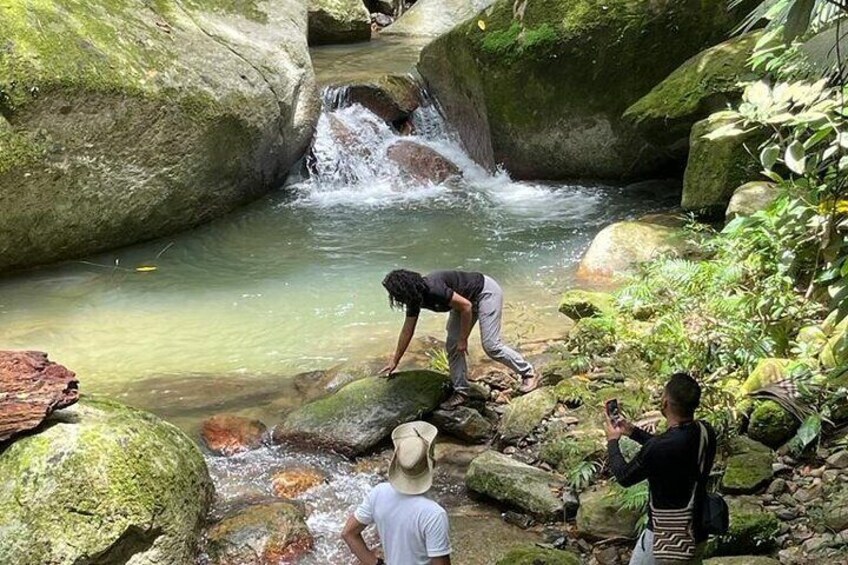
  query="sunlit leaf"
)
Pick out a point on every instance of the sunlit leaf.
point(758, 94)
point(769, 155)
point(843, 164)
point(794, 158)
point(843, 139)
point(481, 24)
point(146, 269)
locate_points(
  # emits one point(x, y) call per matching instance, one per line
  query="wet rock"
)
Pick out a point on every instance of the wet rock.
point(102, 479)
point(273, 532)
point(742, 560)
point(771, 424)
point(532, 554)
point(838, 460)
point(752, 531)
point(463, 423)
point(33, 387)
point(291, 483)
point(198, 109)
point(777, 487)
point(391, 97)
point(381, 20)
point(601, 516)
point(421, 163)
point(363, 413)
point(749, 467)
point(750, 198)
point(620, 247)
point(525, 413)
point(434, 17)
point(716, 167)
point(527, 488)
point(227, 434)
point(577, 304)
point(706, 83)
point(338, 21)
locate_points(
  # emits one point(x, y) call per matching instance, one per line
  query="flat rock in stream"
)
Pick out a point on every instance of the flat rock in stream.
point(31, 388)
point(363, 413)
point(421, 163)
point(228, 434)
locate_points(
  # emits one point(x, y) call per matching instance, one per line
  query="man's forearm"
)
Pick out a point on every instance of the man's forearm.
point(465, 323)
point(404, 340)
point(360, 549)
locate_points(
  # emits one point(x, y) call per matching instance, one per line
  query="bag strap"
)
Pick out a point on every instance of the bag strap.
point(703, 440)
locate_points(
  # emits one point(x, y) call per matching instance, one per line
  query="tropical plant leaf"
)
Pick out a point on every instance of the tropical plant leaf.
point(795, 158)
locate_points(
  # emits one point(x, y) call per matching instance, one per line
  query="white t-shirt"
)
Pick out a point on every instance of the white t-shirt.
point(412, 529)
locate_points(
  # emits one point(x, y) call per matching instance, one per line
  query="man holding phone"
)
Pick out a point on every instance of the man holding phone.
point(676, 465)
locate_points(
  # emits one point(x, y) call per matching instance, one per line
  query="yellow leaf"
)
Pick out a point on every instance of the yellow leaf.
point(145, 269)
point(481, 24)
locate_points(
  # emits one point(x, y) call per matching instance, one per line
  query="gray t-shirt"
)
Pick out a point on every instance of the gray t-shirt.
point(412, 529)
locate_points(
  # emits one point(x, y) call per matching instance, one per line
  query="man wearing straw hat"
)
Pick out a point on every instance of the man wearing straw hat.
point(413, 529)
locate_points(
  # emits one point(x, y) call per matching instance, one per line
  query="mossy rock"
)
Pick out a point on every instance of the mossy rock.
point(706, 83)
point(530, 554)
point(127, 121)
point(753, 531)
point(269, 532)
point(812, 339)
point(516, 484)
point(750, 198)
point(601, 516)
point(101, 482)
point(526, 412)
point(434, 17)
point(360, 415)
point(749, 466)
point(621, 247)
point(742, 560)
point(835, 508)
point(835, 351)
point(577, 304)
point(766, 372)
point(716, 167)
point(771, 424)
point(564, 452)
point(338, 21)
point(546, 85)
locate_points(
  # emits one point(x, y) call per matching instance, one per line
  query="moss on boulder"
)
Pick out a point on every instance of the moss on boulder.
point(526, 412)
point(749, 466)
point(601, 515)
point(578, 304)
point(126, 121)
point(771, 424)
point(516, 484)
point(716, 167)
point(102, 483)
point(767, 371)
point(564, 452)
point(530, 554)
point(338, 21)
point(361, 414)
point(547, 83)
point(705, 83)
point(835, 351)
point(753, 531)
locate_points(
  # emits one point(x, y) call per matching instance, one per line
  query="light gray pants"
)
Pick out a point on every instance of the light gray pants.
point(643, 553)
point(487, 311)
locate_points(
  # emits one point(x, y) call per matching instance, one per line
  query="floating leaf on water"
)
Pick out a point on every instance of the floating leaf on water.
point(145, 269)
point(481, 24)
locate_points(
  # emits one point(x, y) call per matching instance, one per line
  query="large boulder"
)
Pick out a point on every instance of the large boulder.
point(620, 247)
point(361, 414)
point(270, 532)
point(102, 483)
point(127, 121)
point(391, 97)
point(33, 388)
point(577, 304)
point(338, 21)
point(601, 515)
point(706, 83)
point(753, 530)
point(751, 198)
point(541, 86)
point(716, 167)
point(749, 466)
point(767, 371)
point(464, 423)
point(771, 424)
point(526, 412)
point(435, 17)
point(516, 484)
point(532, 554)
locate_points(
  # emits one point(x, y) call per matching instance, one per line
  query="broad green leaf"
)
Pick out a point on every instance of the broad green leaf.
point(798, 19)
point(821, 134)
point(843, 163)
point(729, 130)
point(769, 155)
point(758, 94)
point(809, 430)
point(842, 138)
point(794, 158)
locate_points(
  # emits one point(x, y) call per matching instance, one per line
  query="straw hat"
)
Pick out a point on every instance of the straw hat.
point(411, 469)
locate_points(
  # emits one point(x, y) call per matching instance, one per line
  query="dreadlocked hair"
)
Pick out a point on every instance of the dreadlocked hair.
point(406, 288)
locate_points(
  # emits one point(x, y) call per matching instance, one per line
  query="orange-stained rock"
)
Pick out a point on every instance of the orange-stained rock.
point(291, 483)
point(31, 388)
point(227, 434)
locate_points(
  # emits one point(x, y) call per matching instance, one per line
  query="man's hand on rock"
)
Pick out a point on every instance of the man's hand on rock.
point(388, 370)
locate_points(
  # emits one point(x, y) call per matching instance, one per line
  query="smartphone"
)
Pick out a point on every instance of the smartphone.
point(613, 411)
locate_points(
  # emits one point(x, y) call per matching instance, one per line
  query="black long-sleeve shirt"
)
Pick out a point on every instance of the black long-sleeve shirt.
point(669, 462)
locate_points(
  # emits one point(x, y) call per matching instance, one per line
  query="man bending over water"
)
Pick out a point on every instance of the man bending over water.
point(468, 297)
